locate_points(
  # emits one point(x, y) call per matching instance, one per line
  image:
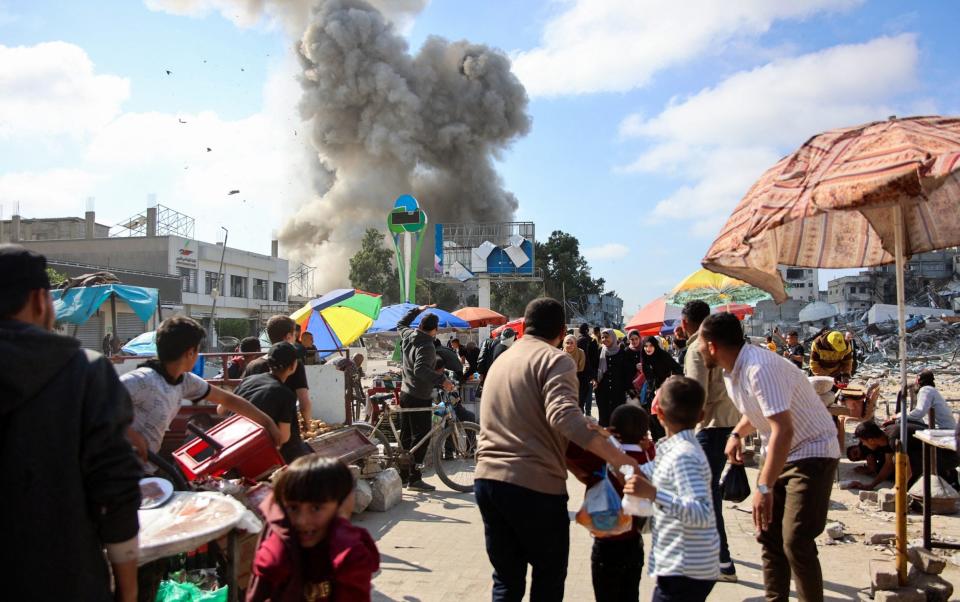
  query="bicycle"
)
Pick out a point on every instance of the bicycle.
point(454, 441)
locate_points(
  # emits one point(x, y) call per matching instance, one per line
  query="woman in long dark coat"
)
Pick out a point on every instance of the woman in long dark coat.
point(658, 366)
point(614, 376)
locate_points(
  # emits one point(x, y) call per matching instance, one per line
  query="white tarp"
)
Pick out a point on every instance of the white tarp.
point(458, 271)
point(816, 311)
point(517, 256)
point(882, 312)
point(478, 256)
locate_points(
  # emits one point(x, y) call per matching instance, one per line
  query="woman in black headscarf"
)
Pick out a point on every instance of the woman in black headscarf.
point(658, 366)
point(614, 376)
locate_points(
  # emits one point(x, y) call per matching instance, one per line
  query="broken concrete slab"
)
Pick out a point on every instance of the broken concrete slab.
point(883, 537)
point(868, 496)
point(835, 530)
point(926, 561)
point(883, 575)
point(936, 587)
point(906, 594)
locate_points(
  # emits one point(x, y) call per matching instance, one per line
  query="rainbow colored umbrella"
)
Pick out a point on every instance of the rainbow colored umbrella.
point(339, 324)
point(715, 289)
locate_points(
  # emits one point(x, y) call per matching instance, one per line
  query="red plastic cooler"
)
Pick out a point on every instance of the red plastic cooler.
point(236, 443)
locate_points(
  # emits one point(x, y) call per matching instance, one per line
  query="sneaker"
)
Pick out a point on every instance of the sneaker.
point(728, 573)
point(419, 485)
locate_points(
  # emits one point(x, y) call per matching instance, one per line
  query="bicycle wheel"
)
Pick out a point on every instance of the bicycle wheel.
point(455, 455)
point(378, 438)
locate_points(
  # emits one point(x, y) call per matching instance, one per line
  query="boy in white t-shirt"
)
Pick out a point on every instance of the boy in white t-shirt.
point(158, 386)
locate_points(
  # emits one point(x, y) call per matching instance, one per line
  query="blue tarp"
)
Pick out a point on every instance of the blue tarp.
point(390, 315)
point(78, 304)
point(145, 345)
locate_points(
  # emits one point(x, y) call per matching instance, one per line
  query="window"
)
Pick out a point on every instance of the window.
point(260, 289)
point(863, 289)
point(210, 282)
point(188, 280)
point(238, 286)
point(280, 291)
point(795, 274)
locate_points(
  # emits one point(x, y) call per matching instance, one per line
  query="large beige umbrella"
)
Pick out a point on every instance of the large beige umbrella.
point(854, 197)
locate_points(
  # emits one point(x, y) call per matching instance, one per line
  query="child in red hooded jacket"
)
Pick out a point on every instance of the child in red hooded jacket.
point(309, 551)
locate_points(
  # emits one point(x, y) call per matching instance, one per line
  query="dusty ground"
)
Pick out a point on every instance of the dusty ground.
point(432, 547)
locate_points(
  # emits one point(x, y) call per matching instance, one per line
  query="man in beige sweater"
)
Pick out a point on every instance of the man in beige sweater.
point(719, 418)
point(528, 414)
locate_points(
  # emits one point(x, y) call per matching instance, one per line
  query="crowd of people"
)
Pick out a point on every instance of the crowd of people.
point(673, 422)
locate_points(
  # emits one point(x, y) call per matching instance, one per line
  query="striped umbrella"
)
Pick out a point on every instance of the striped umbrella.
point(855, 197)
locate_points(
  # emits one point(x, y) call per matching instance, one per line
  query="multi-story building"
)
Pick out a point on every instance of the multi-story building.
point(803, 284)
point(604, 310)
point(859, 293)
point(249, 286)
point(55, 228)
point(933, 265)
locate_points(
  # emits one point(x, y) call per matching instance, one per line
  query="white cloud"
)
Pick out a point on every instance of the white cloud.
point(606, 252)
point(618, 45)
point(292, 14)
point(52, 192)
point(51, 89)
point(721, 139)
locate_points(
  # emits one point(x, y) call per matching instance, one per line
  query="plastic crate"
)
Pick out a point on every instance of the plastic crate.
point(246, 447)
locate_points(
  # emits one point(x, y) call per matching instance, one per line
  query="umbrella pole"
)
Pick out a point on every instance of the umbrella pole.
point(901, 452)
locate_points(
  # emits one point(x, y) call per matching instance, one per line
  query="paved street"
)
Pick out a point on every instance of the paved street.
point(432, 551)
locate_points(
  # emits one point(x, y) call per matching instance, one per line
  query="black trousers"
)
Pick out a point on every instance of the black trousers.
point(616, 567)
point(675, 588)
point(413, 427)
point(524, 527)
point(714, 442)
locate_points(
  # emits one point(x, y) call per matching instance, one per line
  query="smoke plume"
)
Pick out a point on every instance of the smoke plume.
point(385, 123)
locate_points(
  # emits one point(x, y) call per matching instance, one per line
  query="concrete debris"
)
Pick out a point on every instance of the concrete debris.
point(883, 575)
point(362, 496)
point(926, 561)
point(936, 588)
point(905, 594)
point(387, 490)
point(881, 538)
point(835, 530)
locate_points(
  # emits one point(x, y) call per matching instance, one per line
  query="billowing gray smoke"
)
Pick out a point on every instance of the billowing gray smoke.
point(385, 123)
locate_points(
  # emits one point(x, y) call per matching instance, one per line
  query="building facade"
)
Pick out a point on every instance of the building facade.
point(803, 284)
point(602, 310)
point(859, 293)
point(933, 265)
point(250, 285)
point(17, 229)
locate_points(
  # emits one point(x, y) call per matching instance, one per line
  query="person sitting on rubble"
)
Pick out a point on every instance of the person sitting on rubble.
point(830, 355)
point(928, 398)
point(884, 440)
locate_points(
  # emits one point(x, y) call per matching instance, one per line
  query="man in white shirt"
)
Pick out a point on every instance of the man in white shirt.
point(793, 491)
point(928, 398)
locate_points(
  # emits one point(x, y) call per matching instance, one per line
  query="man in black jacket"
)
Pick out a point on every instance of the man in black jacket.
point(419, 379)
point(586, 379)
point(71, 477)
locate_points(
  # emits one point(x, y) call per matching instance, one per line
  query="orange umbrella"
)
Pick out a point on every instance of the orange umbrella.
point(480, 316)
point(651, 317)
point(516, 325)
point(853, 197)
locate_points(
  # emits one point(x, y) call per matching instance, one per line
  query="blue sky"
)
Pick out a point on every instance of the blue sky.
point(650, 119)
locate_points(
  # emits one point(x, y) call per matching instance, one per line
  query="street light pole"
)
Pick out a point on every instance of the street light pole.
point(216, 293)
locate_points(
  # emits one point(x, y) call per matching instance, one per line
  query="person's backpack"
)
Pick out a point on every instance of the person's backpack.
point(486, 356)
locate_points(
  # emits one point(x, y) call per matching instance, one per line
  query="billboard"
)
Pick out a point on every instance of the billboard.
point(499, 250)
